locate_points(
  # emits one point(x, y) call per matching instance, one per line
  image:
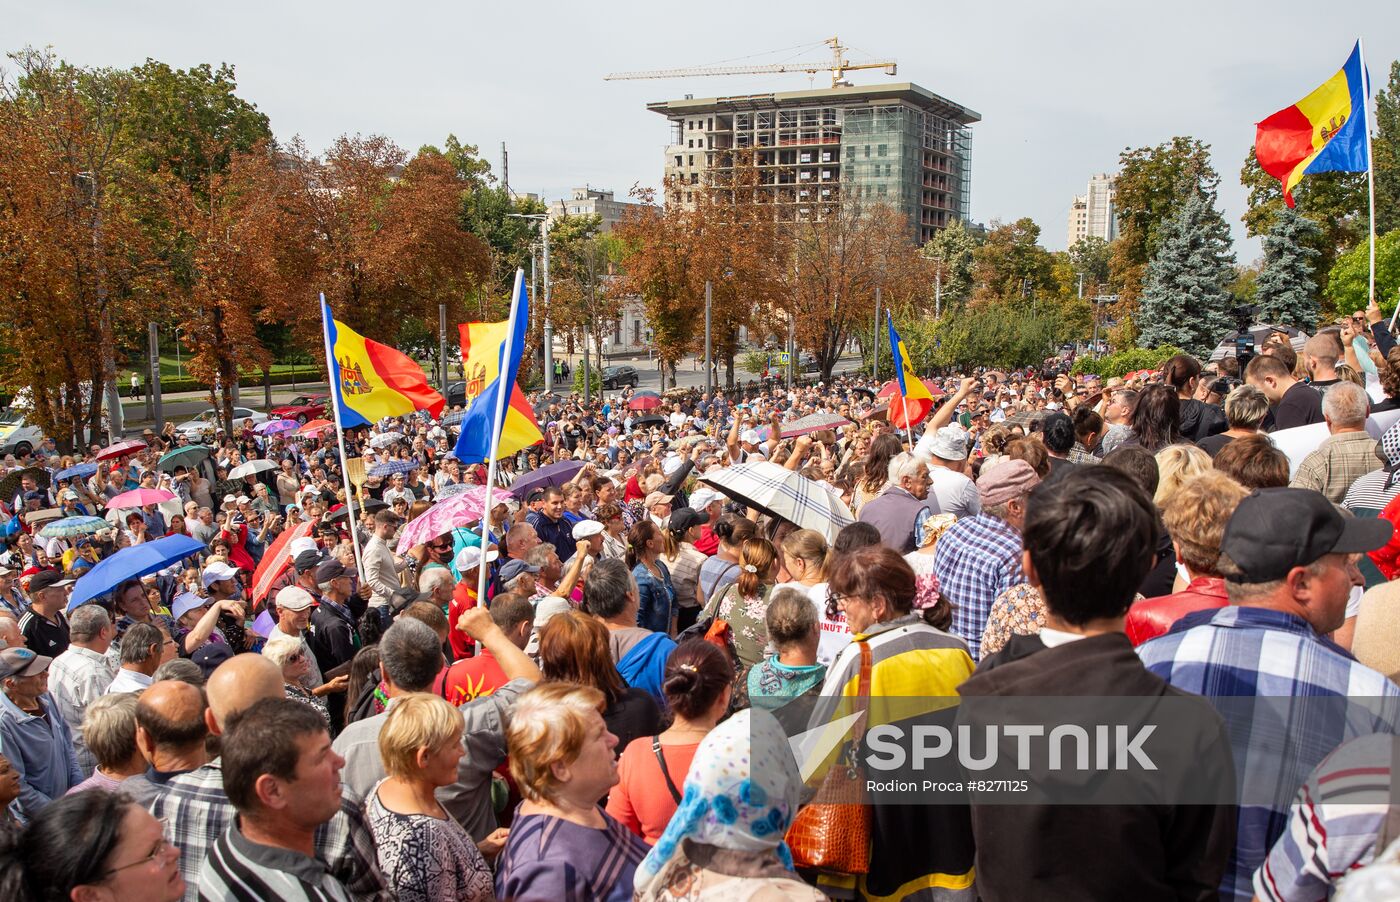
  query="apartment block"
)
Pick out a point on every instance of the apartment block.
point(1094, 213)
point(896, 144)
point(590, 202)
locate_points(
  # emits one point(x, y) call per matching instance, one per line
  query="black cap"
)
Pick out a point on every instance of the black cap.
point(47, 579)
point(328, 570)
point(684, 518)
point(209, 656)
point(403, 597)
point(307, 560)
point(1274, 530)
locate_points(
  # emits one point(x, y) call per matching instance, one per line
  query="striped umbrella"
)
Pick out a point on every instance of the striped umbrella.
point(781, 492)
point(453, 418)
point(71, 527)
point(390, 467)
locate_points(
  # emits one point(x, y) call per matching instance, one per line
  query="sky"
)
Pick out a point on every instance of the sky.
point(1062, 88)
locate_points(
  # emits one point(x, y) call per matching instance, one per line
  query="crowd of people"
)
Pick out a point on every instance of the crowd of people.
point(301, 704)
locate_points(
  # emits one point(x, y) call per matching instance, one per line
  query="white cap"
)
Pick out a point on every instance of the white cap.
point(244, 499)
point(671, 464)
point(218, 570)
point(702, 498)
point(470, 558)
point(584, 529)
point(185, 602)
point(749, 436)
point(294, 598)
point(299, 545)
point(229, 499)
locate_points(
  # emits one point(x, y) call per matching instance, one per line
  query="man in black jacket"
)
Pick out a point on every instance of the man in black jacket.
point(334, 638)
point(1094, 831)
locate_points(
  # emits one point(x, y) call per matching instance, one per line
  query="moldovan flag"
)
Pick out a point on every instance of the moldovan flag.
point(370, 381)
point(488, 372)
point(1324, 132)
point(914, 398)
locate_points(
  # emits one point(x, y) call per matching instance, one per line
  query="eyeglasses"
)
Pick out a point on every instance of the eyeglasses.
point(164, 847)
point(833, 604)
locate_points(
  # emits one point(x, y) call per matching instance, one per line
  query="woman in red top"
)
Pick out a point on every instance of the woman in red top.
point(652, 769)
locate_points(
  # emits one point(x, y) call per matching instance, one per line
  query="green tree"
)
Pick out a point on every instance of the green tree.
point(1286, 290)
point(951, 249)
point(1347, 284)
point(1093, 257)
point(1186, 299)
point(1000, 333)
point(1152, 185)
point(1012, 264)
point(1385, 153)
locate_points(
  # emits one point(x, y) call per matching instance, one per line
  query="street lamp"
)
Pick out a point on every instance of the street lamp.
point(548, 326)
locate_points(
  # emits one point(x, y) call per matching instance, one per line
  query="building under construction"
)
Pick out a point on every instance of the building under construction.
point(895, 144)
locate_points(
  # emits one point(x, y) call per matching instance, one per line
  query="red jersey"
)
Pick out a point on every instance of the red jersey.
point(470, 679)
point(463, 600)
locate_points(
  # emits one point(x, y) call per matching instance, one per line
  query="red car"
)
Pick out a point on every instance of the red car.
point(301, 409)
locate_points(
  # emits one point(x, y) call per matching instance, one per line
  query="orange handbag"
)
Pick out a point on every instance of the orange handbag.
point(832, 833)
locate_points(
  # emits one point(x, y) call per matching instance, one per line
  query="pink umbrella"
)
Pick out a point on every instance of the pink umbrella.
point(139, 498)
point(121, 449)
point(445, 516)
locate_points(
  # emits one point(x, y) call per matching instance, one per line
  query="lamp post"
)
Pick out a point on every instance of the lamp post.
point(543, 219)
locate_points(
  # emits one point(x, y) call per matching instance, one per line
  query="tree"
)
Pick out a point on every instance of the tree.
point(1286, 290)
point(1000, 333)
point(1093, 258)
point(1335, 202)
point(1348, 282)
point(952, 250)
point(1186, 299)
point(579, 268)
point(1385, 153)
point(1012, 264)
point(1152, 185)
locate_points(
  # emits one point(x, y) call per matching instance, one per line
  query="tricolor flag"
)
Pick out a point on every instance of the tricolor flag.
point(914, 400)
point(1324, 132)
point(489, 372)
point(370, 381)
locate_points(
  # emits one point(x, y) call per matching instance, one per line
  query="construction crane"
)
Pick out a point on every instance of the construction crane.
point(838, 66)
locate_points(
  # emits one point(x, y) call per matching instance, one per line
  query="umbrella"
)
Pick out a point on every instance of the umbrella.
point(1259, 332)
point(554, 474)
point(315, 426)
point(139, 498)
point(653, 420)
point(689, 440)
point(369, 505)
point(275, 561)
point(77, 471)
point(1026, 418)
point(644, 400)
point(10, 485)
point(187, 456)
point(385, 439)
point(121, 449)
point(891, 387)
point(452, 419)
point(544, 401)
point(781, 492)
point(277, 427)
point(390, 467)
point(69, 527)
point(815, 422)
point(459, 510)
point(131, 563)
point(453, 488)
point(251, 468)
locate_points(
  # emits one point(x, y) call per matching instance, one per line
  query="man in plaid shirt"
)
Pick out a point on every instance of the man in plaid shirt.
point(198, 811)
point(1348, 453)
point(979, 557)
point(1288, 695)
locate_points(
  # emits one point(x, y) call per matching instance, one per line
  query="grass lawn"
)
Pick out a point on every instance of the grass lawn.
point(169, 370)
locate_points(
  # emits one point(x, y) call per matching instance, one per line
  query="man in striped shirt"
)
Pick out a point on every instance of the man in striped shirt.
point(283, 778)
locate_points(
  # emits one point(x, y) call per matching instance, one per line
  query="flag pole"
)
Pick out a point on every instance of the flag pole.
point(903, 396)
point(1370, 171)
point(503, 393)
point(334, 387)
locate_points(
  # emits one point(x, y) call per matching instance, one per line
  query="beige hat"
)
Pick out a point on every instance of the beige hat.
point(657, 498)
point(294, 598)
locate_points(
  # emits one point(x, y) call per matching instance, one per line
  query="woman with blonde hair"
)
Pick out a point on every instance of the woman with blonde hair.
point(294, 660)
point(1175, 465)
point(744, 604)
point(562, 844)
point(425, 855)
point(805, 553)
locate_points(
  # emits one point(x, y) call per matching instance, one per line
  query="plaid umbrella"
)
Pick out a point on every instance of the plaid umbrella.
point(452, 419)
point(10, 484)
point(385, 439)
point(815, 422)
point(453, 488)
point(390, 467)
point(71, 527)
point(781, 492)
point(1026, 418)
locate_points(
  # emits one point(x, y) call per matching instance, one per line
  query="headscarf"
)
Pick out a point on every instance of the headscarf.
point(742, 793)
point(1388, 450)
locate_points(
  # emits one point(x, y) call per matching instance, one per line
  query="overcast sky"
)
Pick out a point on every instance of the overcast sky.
point(1061, 92)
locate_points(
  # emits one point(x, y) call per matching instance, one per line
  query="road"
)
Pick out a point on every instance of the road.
point(183, 406)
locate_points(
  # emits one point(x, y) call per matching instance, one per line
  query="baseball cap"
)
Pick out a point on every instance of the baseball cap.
point(22, 662)
point(702, 498)
point(585, 528)
point(307, 560)
point(749, 437)
point(216, 571)
point(47, 579)
point(294, 598)
point(1274, 530)
point(185, 602)
point(657, 498)
point(514, 567)
point(403, 597)
point(470, 558)
point(330, 569)
point(299, 546)
point(209, 656)
point(684, 518)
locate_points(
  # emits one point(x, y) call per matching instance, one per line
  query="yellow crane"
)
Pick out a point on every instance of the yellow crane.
point(838, 66)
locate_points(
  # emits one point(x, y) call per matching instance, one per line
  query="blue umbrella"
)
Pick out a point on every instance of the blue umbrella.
point(81, 471)
point(554, 474)
point(131, 563)
point(390, 467)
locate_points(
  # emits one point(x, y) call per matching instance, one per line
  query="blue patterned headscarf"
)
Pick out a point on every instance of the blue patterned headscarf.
point(742, 792)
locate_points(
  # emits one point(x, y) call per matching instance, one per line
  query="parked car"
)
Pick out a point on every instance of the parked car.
point(455, 394)
point(204, 426)
point(301, 409)
point(618, 376)
point(17, 436)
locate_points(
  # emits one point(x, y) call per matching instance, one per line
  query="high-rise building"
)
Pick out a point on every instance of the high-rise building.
point(1094, 214)
point(591, 202)
point(897, 144)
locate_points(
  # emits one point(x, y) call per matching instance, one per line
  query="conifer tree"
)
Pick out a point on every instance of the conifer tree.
point(1286, 289)
point(1186, 299)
